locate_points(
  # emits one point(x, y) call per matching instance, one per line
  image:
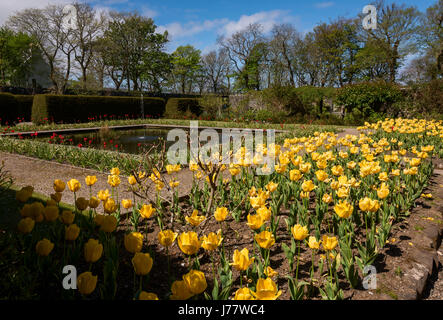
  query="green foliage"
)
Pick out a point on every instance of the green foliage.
point(363, 99)
point(282, 99)
point(69, 109)
point(211, 105)
point(313, 97)
point(178, 108)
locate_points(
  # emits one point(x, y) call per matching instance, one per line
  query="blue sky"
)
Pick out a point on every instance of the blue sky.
point(199, 22)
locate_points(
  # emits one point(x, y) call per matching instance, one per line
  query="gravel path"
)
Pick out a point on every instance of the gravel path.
point(41, 175)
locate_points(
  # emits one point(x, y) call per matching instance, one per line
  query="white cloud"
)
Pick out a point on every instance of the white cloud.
point(8, 8)
point(227, 27)
point(148, 12)
point(266, 18)
point(323, 5)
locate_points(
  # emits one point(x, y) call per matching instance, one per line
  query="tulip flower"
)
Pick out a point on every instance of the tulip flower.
point(86, 283)
point(241, 260)
point(109, 206)
point(115, 171)
point(72, 232)
point(146, 211)
point(195, 281)
point(74, 185)
point(93, 250)
point(343, 209)
point(265, 213)
point(109, 224)
point(99, 218)
point(94, 202)
point(90, 180)
point(131, 180)
point(133, 242)
point(221, 213)
point(127, 203)
point(26, 225)
point(266, 289)
point(142, 263)
point(44, 247)
point(81, 203)
point(189, 243)
point(103, 195)
point(57, 197)
point(195, 219)
point(166, 237)
point(180, 291)
point(299, 232)
point(59, 185)
point(265, 239)
point(51, 213)
point(212, 241)
point(243, 294)
point(147, 296)
point(329, 243)
point(255, 221)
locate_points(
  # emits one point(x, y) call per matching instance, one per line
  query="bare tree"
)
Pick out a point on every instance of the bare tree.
point(215, 65)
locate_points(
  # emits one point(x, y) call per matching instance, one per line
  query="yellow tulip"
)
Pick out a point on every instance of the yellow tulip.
point(189, 242)
point(115, 171)
point(57, 197)
point(299, 232)
point(114, 180)
point(109, 206)
point(221, 213)
point(26, 225)
point(59, 185)
point(180, 291)
point(383, 191)
point(142, 263)
point(321, 175)
point(195, 281)
point(147, 296)
point(265, 213)
point(86, 283)
point(365, 204)
point(241, 260)
point(51, 213)
point(44, 247)
point(103, 195)
point(94, 202)
point(329, 243)
point(295, 175)
point(255, 221)
point(313, 243)
point(127, 203)
point(132, 180)
point(195, 219)
point(265, 239)
point(93, 250)
point(166, 237)
point(99, 219)
point(212, 241)
point(72, 232)
point(266, 289)
point(90, 180)
point(243, 294)
point(109, 224)
point(133, 242)
point(269, 272)
point(326, 198)
point(81, 203)
point(271, 186)
point(146, 211)
point(74, 185)
point(308, 186)
point(343, 209)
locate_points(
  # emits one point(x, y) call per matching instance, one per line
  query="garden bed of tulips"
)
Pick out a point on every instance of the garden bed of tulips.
point(309, 230)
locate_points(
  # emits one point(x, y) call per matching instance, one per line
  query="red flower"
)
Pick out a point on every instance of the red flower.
point(80, 145)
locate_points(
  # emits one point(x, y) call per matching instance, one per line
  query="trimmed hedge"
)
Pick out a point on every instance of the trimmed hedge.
point(71, 109)
point(178, 108)
point(24, 106)
point(8, 108)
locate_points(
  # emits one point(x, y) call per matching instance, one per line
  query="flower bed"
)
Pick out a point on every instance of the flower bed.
point(307, 231)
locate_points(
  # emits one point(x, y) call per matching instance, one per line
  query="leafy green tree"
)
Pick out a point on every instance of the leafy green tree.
point(186, 61)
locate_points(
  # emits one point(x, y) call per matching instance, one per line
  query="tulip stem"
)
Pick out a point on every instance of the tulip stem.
point(141, 283)
point(298, 260)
